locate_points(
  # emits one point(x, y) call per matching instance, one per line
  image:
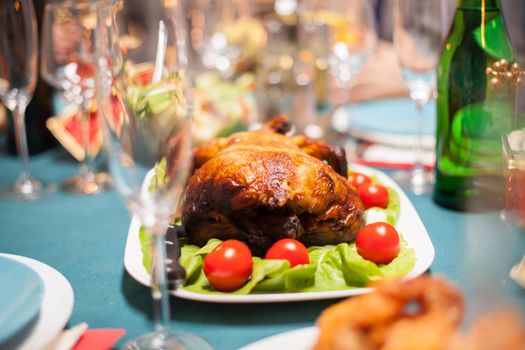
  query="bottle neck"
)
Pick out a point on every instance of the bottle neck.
point(488, 5)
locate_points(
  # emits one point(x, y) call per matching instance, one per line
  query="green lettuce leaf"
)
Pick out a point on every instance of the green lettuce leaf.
point(300, 278)
point(402, 264)
point(159, 175)
point(145, 248)
point(328, 269)
point(393, 208)
point(261, 269)
point(357, 271)
point(274, 280)
point(192, 258)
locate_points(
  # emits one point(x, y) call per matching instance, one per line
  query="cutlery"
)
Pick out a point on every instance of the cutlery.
point(174, 271)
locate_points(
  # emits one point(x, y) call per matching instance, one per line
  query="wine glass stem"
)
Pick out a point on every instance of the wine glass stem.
point(159, 289)
point(86, 166)
point(418, 170)
point(21, 140)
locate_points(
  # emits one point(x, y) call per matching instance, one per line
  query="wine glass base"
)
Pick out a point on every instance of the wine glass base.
point(26, 189)
point(87, 185)
point(418, 182)
point(167, 341)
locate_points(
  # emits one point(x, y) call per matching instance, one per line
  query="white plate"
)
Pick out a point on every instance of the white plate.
point(57, 304)
point(409, 225)
point(20, 297)
point(391, 122)
point(299, 339)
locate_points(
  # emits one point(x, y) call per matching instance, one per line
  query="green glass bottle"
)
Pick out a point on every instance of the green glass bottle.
point(475, 107)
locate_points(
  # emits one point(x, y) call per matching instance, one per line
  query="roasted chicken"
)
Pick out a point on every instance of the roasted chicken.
point(261, 186)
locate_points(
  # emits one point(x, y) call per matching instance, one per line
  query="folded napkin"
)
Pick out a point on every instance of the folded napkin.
point(517, 273)
point(99, 339)
point(386, 156)
point(66, 128)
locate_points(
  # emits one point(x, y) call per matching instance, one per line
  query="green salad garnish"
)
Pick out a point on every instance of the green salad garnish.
point(147, 99)
point(331, 267)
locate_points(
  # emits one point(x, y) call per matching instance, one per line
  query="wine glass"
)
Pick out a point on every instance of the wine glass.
point(225, 41)
point(68, 64)
point(335, 40)
point(18, 73)
point(276, 87)
point(144, 94)
point(224, 35)
point(418, 33)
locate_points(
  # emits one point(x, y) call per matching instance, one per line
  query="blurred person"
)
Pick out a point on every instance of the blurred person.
point(380, 77)
point(66, 36)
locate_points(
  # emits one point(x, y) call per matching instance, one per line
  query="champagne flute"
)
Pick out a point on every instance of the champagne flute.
point(68, 64)
point(144, 94)
point(18, 73)
point(418, 31)
point(335, 40)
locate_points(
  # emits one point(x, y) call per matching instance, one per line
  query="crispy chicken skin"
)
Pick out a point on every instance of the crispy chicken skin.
point(261, 186)
point(272, 135)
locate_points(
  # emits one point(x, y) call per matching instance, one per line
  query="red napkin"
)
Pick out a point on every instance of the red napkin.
point(99, 339)
point(386, 156)
point(67, 130)
point(388, 165)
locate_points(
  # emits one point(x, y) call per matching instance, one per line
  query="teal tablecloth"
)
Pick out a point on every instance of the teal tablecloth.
point(84, 239)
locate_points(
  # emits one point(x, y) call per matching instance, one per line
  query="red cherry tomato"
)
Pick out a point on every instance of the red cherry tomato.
point(357, 179)
point(289, 249)
point(373, 195)
point(378, 242)
point(229, 265)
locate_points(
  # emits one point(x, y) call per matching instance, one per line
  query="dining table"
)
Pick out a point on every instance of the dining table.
point(84, 238)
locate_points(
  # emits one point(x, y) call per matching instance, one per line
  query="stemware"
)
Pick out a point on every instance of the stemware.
point(18, 73)
point(225, 41)
point(418, 34)
point(335, 39)
point(144, 94)
point(68, 64)
point(276, 90)
point(225, 36)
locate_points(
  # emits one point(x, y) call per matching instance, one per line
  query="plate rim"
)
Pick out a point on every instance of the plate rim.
point(136, 270)
point(304, 334)
point(31, 309)
point(380, 135)
point(58, 292)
